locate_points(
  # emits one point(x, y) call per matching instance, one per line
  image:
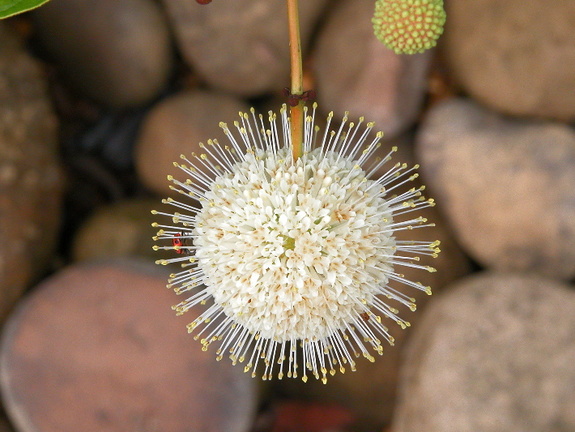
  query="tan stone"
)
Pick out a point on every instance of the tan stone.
point(240, 46)
point(506, 186)
point(493, 353)
point(516, 56)
point(176, 126)
point(120, 229)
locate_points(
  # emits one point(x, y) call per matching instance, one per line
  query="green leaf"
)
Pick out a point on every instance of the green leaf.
point(13, 7)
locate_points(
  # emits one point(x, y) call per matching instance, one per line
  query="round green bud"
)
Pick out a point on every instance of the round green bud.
point(408, 26)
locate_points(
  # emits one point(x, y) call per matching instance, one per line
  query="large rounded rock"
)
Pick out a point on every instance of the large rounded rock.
point(494, 353)
point(115, 52)
point(30, 176)
point(515, 56)
point(97, 348)
point(507, 186)
point(176, 126)
point(240, 46)
point(356, 72)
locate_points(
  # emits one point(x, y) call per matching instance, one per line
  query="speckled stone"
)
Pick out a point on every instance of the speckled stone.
point(30, 175)
point(515, 56)
point(506, 186)
point(493, 353)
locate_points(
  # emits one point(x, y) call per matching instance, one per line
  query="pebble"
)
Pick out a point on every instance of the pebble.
point(240, 46)
point(515, 56)
point(370, 392)
point(356, 72)
point(116, 53)
point(493, 353)
point(120, 229)
point(30, 175)
point(506, 186)
point(176, 126)
point(96, 347)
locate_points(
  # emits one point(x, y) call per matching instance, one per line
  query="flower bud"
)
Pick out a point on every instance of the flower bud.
point(408, 26)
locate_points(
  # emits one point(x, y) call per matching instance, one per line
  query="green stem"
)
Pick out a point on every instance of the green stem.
point(296, 112)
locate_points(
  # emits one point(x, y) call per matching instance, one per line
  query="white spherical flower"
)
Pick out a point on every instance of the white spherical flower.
point(293, 253)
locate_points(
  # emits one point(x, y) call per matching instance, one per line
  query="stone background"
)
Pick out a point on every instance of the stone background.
point(98, 97)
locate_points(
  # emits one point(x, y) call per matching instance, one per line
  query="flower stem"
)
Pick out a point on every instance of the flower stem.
point(296, 112)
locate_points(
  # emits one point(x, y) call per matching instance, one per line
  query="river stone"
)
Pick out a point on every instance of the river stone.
point(97, 348)
point(507, 186)
point(120, 229)
point(176, 126)
point(356, 72)
point(513, 55)
point(493, 353)
point(30, 176)
point(115, 52)
point(240, 46)
point(370, 392)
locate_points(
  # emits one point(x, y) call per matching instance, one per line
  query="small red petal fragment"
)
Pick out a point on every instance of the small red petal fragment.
point(204, 2)
point(177, 243)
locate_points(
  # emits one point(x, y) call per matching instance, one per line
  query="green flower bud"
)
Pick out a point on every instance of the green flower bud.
point(408, 26)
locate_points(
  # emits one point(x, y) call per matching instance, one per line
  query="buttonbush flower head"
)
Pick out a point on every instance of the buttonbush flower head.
point(292, 258)
point(409, 26)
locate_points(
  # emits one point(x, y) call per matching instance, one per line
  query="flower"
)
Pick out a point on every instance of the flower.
point(408, 26)
point(291, 253)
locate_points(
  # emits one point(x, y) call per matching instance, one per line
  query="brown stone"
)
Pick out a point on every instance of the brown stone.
point(240, 46)
point(515, 56)
point(97, 347)
point(355, 72)
point(115, 52)
point(507, 186)
point(176, 126)
point(30, 176)
point(492, 353)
